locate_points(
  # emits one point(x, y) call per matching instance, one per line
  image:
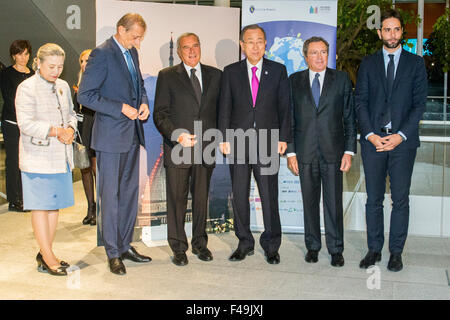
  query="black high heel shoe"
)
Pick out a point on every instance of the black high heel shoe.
point(43, 267)
point(62, 263)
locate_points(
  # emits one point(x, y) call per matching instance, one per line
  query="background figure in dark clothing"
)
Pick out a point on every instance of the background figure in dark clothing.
point(10, 78)
point(85, 128)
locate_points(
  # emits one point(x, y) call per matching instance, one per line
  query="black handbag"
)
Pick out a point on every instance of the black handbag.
point(80, 154)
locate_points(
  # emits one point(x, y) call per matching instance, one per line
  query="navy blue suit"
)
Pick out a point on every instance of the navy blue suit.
point(105, 86)
point(407, 103)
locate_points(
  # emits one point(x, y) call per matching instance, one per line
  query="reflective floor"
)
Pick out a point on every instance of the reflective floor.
point(423, 277)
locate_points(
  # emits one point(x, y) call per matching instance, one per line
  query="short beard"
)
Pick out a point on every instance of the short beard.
point(392, 46)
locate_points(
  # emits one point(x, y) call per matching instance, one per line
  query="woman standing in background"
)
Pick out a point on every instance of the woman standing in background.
point(10, 78)
point(87, 116)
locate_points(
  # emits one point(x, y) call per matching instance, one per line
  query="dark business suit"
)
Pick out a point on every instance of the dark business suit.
point(106, 85)
point(271, 111)
point(407, 102)
point(321, 136)
point(176, 107)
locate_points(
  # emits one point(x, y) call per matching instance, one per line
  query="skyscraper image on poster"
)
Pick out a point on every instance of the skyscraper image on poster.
point(288, 23)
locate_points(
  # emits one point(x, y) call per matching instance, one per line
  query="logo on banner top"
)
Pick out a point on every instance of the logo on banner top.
point(252, 9)
point(313, 10)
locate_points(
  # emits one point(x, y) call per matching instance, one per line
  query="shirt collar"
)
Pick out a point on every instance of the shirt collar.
point(120, 46)
point(258, 65)
point(312, 74)
point(188, 68)
point(396, 54)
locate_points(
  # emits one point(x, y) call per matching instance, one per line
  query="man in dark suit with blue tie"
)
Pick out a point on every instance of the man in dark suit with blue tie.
point(390, 98)
point(324, 128)
point(255, 97)
point(112, 86)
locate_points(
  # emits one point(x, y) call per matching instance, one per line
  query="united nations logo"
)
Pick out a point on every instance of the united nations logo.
point(252, 9)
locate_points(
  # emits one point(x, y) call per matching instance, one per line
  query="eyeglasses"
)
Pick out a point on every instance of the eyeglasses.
point(259, 43)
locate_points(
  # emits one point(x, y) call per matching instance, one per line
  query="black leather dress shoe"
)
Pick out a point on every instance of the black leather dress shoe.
point(239, 254)
point(395, 263)
point(116, 266)
point(337, 260)
point(180, 259)
point(370, 259)
point(203, 254)
point(312, 256)
point(273, 258)
point(133, 255)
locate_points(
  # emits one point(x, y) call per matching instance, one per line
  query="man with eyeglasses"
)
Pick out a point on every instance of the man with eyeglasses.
point(390, 98)
point(186, 93)
point(255, 96)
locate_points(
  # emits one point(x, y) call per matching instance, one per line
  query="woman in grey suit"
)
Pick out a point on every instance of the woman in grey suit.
point(47, 124)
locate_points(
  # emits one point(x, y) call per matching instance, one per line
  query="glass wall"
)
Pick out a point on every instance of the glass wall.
point(430, 189)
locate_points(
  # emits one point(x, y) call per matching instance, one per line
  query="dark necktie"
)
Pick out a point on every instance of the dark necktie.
point(131, 69)
point(315, 88)
point(196, 85)
point(390, 74)
point(390, 83)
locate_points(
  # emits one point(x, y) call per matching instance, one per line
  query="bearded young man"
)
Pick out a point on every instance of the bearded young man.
point(390, 98)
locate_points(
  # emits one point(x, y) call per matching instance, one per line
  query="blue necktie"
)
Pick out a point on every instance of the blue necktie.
point(131, 69)
point(315, 88)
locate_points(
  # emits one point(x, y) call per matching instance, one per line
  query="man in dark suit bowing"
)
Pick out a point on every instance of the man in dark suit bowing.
point(324, 142)
point(255, 98)
point(187, 96)
point(112, 86)
point(390, 98)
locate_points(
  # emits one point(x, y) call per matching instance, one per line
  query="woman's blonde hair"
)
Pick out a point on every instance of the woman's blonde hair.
point(80, 73)
point(48, 49)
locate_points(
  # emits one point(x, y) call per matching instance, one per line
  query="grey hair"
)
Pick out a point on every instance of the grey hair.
point(184, 35)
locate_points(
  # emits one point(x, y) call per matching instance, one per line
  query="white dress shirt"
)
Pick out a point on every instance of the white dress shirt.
point(250, 73)
point(198, 72)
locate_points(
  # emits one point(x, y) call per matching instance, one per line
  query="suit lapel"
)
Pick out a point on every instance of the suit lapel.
point(121, 60)
point(307, 88)
point(245, 82)
point(399, 71)
point(327, 86)
point(184, 79)
point(205, 82)
point(264, 79)
point(382, 74)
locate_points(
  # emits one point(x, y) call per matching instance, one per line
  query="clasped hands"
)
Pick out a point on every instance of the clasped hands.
point(64, 135)
point(133, 114)
point(387, 143)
